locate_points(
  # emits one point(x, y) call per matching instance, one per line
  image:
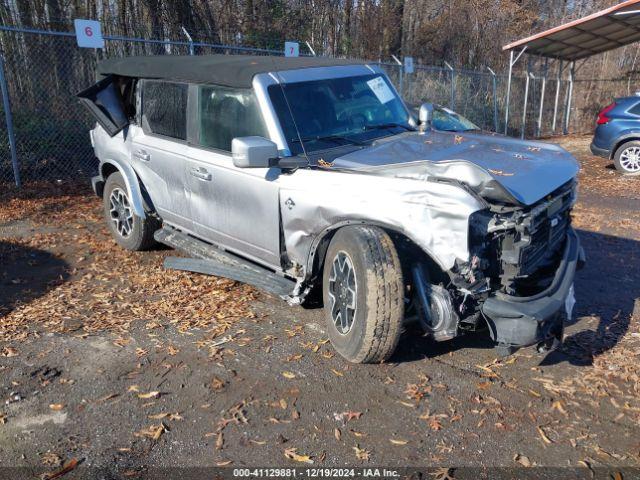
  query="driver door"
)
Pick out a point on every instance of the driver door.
point(237, 208)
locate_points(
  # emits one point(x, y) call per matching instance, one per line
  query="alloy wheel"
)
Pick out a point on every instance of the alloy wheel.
point(343, 292)
point(630, 159)
point(120, 212)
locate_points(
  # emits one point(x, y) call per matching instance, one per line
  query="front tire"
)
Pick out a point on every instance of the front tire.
point(363, 294)
point(129, 230)
point(627, 158)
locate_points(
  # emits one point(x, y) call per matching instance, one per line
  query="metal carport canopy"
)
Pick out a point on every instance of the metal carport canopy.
point(605, 30)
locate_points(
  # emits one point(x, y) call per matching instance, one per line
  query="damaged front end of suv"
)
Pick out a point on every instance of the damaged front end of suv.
point(483, 230)
point(520, 277)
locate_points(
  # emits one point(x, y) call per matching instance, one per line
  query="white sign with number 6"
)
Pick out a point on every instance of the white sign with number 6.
point(88, 33)
point(291, 49)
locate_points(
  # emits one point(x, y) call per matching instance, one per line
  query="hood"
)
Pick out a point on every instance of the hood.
point(498, 168)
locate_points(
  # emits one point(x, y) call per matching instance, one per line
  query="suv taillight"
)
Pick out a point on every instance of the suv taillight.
point(602, 116)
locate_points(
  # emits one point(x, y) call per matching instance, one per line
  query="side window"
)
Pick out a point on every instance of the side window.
point(164, 108)
point(226, 113)
point(635, 109)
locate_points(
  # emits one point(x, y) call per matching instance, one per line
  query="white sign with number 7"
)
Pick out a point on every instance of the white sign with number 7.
point(291, 49)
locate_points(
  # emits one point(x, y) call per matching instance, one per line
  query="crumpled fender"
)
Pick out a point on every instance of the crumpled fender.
point(433, 215)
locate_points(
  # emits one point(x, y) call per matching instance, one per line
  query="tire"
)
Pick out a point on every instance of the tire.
point(129, 230)
point(627, 158)
point(363, 257)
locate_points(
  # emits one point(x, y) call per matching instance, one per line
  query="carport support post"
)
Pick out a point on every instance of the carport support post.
point(555, 104)
point(6, 101)
point(542, 89)
point(567, 112)
point(524, 107)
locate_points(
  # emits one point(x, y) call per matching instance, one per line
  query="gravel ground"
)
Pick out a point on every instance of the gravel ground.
point(109, 361)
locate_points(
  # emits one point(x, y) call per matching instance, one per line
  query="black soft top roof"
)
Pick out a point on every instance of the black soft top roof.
point(226, 70)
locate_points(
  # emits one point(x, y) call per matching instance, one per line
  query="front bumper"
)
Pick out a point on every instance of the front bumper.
point(523, 321)
point(599, 152)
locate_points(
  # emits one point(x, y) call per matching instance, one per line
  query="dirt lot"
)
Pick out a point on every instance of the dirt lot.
point(108, 359)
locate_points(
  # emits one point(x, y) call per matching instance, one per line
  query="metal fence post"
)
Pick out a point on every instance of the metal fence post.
point(495, 99)
point(400, 74)
point(190, 40)
point(452, 102)
point(6, 101)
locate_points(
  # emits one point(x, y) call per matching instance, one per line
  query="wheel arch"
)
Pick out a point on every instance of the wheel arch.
point(131, 180)
point(405, 245)
point(628, 137)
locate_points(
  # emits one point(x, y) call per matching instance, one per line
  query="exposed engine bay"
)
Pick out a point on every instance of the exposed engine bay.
point(514, 251)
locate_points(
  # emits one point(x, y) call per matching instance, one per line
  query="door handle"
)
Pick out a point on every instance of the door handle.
point(201, 173)
point(142, 155)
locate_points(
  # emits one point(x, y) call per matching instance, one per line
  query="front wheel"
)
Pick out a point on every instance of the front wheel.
point(128, 229)
point(363, 294)
point(627, 158)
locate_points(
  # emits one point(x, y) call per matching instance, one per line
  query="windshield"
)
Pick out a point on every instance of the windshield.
point(338, 111)
point(450, 121)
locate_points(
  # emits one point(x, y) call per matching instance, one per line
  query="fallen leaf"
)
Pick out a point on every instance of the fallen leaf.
point(9, 352)
point(522, 460)
point(288, 375)
point(56, 407)
point(224, 463)
point(66, 468)
point(154, 432)
point(398, 442)
point(168, 416)
point(337, 372)
point(219, 441)
point(361, 453)
point(154, 394)
point(543, 435)
point(337, 433)
point(217, 384)
point(291, 454)
point(443, 473)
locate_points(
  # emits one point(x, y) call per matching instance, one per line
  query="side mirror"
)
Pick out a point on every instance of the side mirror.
point(253, 152)
point(425, 114)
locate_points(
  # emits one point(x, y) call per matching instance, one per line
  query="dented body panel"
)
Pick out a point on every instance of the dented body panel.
point(434, 215)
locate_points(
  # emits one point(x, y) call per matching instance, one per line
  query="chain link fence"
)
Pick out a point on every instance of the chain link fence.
point(45, 70)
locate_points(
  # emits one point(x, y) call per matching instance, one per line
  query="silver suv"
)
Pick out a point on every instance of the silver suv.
point(309, 178)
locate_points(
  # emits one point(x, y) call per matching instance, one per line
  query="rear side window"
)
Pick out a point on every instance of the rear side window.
point(635, 109)
point(227, 113)
point(164, 108)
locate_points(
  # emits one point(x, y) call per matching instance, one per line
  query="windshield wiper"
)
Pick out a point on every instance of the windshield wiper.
point(388, 125)
point(333, 138)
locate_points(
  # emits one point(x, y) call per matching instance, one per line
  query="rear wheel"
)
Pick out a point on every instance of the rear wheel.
point(128, 229)
point(363, 294)
point(627, 158)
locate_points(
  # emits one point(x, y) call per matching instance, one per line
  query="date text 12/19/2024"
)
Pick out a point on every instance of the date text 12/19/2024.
point(315, 473)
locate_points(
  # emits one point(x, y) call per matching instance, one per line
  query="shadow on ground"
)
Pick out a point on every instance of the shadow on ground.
point(26, 274)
